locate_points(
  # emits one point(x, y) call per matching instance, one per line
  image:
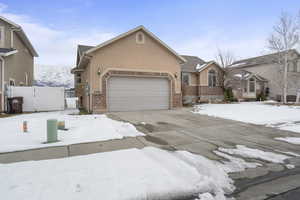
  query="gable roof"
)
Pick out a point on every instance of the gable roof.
point(19, 31)
point(241, 74)
point(130, 32)
point(191, 63)
point(259, 60)
point(83, 48)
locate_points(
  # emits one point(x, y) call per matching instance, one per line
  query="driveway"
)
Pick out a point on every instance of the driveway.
point(182, 130)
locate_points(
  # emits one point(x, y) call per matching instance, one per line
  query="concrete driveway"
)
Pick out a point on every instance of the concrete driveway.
point(182, 130)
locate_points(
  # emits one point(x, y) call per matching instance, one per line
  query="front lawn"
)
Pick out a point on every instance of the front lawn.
point(282, 117)
point(81, 128)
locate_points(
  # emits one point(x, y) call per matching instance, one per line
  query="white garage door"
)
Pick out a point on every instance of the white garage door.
point(132, 94)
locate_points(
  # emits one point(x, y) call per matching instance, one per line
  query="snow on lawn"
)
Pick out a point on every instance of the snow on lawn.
point(82, 128)
point(246, 152)
point(283, 117)
point(149, 173)
point(292, 140)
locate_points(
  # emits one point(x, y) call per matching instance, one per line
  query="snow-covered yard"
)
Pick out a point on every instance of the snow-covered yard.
point(149, 173)
point(282, 117)
point(81, 128)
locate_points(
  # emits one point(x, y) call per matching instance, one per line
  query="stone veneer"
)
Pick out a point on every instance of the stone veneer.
point(99, 98)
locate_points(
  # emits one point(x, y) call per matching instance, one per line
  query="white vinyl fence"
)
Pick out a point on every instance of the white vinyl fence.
point(39, 98)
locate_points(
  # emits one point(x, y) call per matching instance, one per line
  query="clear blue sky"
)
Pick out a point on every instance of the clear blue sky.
point(190, 27)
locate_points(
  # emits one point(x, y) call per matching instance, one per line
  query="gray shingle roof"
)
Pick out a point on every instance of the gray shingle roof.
point(265, 59)
point(83, 48)
point(6, 50)
point(191, 63)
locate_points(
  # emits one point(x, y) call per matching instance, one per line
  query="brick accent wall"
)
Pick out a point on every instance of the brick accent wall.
point(189, 90)
point(99, 98)
point(205, 90)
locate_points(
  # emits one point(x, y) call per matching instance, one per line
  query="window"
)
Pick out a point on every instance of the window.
point(186, 78)
point(78, 78)
point(11, 82)
point(298, 66)
point(251, 85)
point(140, 38)
point(212, 78)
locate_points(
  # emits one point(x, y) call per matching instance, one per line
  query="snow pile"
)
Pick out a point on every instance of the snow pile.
point(57, 76)
point(82, 128)
point(149, 173)
point(246, 152)
point(292, 140)
point(235, 164)
point(250, 112)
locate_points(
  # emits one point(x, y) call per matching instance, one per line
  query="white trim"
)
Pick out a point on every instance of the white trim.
point(2, 36)
point(10, 22)
point(12, 38)
point(2, 85)
point(210, 63)
point(26, 78)
point(130, 32)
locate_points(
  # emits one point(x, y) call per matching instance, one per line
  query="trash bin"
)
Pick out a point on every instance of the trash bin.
point(15, 104)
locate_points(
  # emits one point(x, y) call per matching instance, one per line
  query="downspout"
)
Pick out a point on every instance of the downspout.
point(2, 84)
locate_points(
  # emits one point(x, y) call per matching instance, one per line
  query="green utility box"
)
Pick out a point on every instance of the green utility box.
point(51, 130)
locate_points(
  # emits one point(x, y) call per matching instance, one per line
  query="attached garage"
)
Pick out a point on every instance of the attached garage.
point(138, 93)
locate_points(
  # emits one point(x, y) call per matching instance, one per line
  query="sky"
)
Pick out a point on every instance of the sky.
point(190, 27)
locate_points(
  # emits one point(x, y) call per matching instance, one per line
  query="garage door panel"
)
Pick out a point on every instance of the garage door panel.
point(131, 93)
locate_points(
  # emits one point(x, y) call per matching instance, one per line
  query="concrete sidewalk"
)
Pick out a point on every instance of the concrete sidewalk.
point(71, 150)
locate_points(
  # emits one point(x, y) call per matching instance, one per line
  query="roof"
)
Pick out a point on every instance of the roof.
point(7, 51)
point(139, 28)
point(19, 31)
point(264, 59)
point(240, 74)
point(84, 48)
point(191, 63)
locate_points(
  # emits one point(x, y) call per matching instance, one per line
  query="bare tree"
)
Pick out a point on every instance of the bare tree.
point(285, 37)
point(224, 58)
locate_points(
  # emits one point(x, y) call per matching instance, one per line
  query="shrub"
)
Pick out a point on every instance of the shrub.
point(228, 95)
point(261, 97)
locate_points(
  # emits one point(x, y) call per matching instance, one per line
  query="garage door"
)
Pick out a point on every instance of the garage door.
point(132, 94)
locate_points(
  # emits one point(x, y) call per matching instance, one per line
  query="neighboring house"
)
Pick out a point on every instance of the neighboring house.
point(245, 85)
point(268, 67)
point(133, 71)
point(201, 81)
point(16, 57)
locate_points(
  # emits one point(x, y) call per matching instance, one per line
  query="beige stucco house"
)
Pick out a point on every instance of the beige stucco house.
point(270, 67)
point(16, 57)
point(133, 71)
point(201, 81)
point(245, 85)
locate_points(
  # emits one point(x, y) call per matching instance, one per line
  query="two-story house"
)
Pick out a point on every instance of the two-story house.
point(16, 58)
point(267, 68)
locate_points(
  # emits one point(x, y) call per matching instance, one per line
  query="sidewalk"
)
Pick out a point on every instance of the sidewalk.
point(72, 150)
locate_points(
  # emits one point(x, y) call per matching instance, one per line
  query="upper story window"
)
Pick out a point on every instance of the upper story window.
point(78, 78)
point(212, 78)
point(2, 35)
point(186, 78)
point(140, 38)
